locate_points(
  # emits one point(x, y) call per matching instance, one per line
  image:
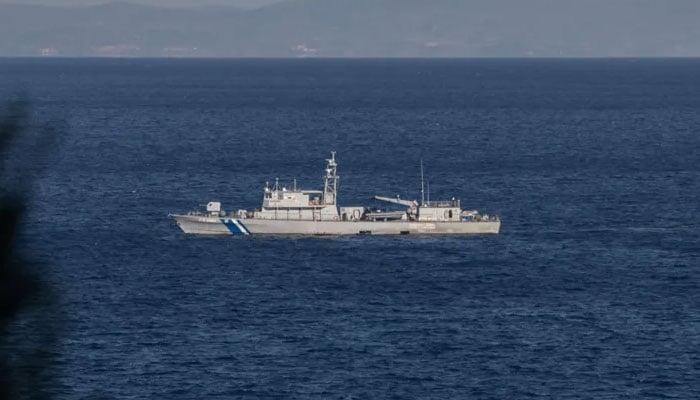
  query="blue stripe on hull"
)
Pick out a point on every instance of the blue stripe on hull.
point(245, 228)
point(231, 226)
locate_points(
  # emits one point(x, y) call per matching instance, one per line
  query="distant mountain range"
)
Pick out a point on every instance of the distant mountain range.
point(360, 28)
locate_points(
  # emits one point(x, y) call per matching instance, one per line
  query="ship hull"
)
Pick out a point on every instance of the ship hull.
point(203, 225)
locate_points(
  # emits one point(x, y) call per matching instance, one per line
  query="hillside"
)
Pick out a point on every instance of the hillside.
point(360, 28)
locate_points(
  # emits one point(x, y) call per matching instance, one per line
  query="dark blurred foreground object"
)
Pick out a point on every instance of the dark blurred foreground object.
point(29, 319)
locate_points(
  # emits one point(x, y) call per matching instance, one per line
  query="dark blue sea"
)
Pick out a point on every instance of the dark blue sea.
point(592, 289)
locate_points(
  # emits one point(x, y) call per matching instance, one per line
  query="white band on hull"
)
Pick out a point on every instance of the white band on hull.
point(235, 226)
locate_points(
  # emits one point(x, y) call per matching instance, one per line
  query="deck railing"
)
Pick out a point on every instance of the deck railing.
point(444, 203)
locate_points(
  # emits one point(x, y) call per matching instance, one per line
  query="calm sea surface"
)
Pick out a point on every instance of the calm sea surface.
point(592, 290)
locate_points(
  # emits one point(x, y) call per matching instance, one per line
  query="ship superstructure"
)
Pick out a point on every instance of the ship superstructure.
point(316, 212)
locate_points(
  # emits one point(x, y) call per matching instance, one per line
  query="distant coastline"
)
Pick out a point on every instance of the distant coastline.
point(357, 29)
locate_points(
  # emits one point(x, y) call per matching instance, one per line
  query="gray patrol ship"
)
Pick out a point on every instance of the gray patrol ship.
point(315, 212)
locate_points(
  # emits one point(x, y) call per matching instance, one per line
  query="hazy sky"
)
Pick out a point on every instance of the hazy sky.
point(354, 28)
point(164, 3)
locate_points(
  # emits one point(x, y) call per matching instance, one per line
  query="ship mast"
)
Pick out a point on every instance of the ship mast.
point(330, 187)
point(422, 185)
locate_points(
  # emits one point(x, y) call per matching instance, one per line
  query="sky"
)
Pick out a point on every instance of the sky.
point(353, 28)
point(163, 3)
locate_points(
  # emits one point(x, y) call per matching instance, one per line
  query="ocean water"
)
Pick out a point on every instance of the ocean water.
point(592, 289)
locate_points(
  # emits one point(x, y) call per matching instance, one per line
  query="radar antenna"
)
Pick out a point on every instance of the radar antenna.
point(330, 187)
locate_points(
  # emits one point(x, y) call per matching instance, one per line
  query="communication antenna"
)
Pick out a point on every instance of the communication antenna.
point(428, 184)
point(422, 185)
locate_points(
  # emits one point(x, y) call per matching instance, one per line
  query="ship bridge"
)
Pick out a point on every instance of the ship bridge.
point(283, 198)
point(314, 205)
